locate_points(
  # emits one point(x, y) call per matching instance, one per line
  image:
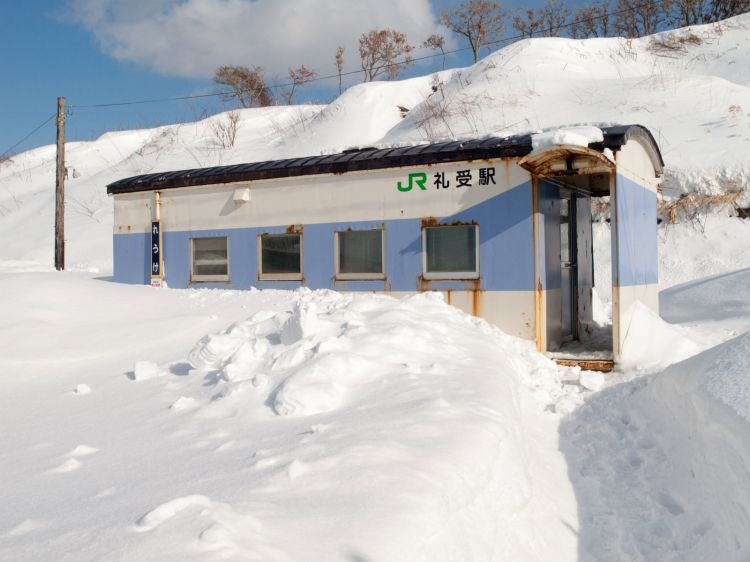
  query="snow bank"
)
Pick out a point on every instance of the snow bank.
point(699, 411)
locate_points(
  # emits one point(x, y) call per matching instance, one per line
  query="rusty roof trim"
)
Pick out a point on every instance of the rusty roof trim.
point(542, 163)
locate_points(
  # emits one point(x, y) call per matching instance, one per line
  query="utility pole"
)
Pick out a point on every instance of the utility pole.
point(60, 188)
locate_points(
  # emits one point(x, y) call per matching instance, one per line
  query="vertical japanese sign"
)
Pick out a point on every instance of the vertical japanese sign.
point(156, 261)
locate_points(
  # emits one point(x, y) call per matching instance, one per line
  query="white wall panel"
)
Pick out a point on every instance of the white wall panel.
point(354, 196)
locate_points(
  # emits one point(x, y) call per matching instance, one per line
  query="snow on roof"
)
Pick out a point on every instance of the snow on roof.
point(582, 135)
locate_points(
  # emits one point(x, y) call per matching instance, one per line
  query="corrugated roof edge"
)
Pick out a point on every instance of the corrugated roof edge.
point(375, 159)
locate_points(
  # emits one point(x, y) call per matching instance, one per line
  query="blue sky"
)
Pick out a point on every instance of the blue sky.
point(101, 51)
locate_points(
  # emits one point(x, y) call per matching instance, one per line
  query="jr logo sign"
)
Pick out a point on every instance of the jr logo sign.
point(415, 178)
point(444, 180)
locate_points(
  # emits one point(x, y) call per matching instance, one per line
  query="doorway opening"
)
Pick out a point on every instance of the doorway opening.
point(571, 328)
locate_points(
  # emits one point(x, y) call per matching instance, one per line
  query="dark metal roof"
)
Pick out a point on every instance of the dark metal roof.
point(374, 159)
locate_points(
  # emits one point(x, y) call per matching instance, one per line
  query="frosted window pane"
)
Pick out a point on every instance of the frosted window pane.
point(451, 249)
point(281, 253)
point(361, 251)
point(210, 256)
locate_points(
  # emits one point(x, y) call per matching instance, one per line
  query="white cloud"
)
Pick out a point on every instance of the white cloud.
point(192, 37)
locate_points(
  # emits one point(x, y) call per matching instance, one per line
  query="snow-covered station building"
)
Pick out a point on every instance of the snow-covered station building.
point(502, 226)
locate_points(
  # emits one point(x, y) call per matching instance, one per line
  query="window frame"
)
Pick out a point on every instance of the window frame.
point(282, 276)
point(195, 278)
point(358, 276)
point(450, 275)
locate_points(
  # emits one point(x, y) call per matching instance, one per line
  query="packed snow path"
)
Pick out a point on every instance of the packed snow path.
point(660, 464)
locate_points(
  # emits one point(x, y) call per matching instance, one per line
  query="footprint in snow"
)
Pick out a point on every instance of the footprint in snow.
point(82, 451)
point(106, 493)
point(68, 466)
point(671, 504)
point(183, 403)
point(73, 463)
point(24, 527)
point(168, 510)
point(81, 389)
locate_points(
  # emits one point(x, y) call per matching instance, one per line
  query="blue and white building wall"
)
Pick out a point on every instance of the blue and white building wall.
point(635, 264)
point(320, 205)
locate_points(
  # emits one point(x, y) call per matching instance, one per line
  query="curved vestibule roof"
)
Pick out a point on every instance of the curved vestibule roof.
point(376, 159)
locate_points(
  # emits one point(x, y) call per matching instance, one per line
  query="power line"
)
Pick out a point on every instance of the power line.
point(381, 67)
point(155, 100)
point(31, 133)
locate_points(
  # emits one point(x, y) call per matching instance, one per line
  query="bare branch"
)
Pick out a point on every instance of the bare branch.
point(480, 22)
point(299, 77)
point(247, 85)
point(384, 52)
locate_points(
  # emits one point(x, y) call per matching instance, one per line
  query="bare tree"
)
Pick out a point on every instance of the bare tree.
point(591, 20)
point(437, 43)
point(636, 18)
point(553, 17)
point(723, 9)
point(340, 64)
point(384, 52)
point(299, 77)
point(527, 23)
point(681, 13)
point(548, 21)
point(480, 22)
point(247, 85)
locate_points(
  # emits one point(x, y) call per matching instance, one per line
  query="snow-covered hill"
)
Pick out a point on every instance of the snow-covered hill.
point(691, 87)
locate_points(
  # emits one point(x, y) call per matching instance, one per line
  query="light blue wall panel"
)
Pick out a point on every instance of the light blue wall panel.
point(132, 258)
point(637, 261)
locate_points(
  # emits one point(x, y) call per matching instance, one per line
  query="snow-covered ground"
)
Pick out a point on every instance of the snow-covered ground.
point(143, 424)
point(301, 426)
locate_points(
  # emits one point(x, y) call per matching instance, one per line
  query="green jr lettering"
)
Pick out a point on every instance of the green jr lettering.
point(418, 178)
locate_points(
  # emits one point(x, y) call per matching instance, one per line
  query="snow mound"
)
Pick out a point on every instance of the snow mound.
point(415, 407)
point(576, 136)
point(720, 298)
point(330, 346)
point(651, 343)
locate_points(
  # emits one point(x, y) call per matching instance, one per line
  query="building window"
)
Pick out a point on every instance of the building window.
point(360, 254)
point(280, 256)
point(209, 259)
point(450, 252)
